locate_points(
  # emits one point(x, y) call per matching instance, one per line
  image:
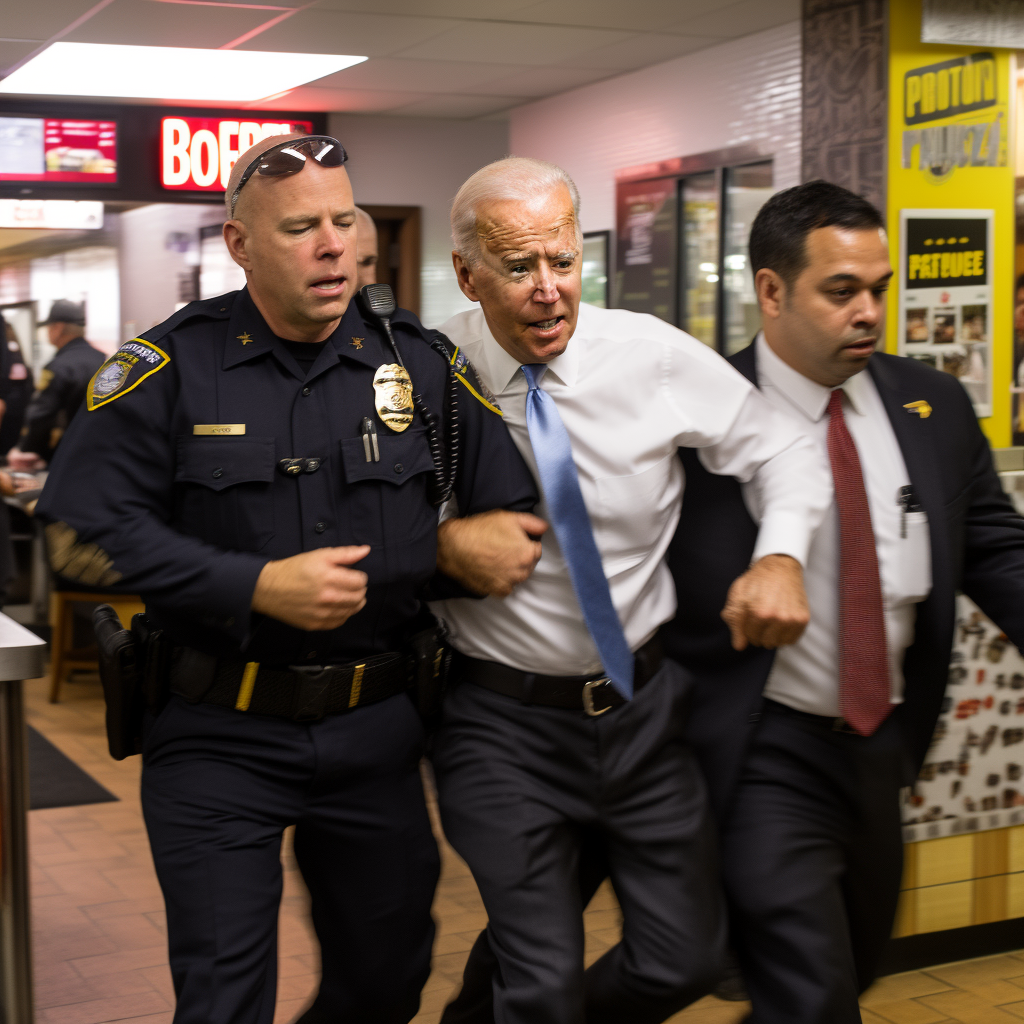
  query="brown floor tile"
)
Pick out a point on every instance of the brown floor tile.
point(908, 1011)
point(98, 1011)
point(967, 1008)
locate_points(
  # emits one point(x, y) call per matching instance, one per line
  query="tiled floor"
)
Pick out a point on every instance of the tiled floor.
point(99, 924)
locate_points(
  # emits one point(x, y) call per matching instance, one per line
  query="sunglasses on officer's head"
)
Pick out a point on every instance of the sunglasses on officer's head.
point(290, 157)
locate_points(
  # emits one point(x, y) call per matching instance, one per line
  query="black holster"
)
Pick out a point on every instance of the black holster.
point(432, 661)
point(134, 669)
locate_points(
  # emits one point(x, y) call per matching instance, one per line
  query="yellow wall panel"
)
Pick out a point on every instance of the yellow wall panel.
point(990, 899)
point(991, 853)
point(945, 860)
point(945, 906)
point(1015, 858)
point(966, 188)
point(1015, 895)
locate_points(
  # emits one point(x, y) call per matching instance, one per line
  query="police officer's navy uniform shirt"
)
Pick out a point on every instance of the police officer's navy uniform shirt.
point(61, 389)
point(141, 498)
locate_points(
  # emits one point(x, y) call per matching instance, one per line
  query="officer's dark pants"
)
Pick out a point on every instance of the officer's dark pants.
point(521, 787)
point(218, 789)
point(812, 855)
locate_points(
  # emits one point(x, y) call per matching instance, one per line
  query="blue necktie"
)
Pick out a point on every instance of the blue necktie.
point(553, 453)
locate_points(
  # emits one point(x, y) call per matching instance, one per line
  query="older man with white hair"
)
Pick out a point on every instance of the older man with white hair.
point(566, 724)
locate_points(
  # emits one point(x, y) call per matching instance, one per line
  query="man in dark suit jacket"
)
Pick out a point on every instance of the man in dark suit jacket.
point(804, 761)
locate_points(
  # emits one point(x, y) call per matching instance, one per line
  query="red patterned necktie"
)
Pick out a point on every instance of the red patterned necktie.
point(864, 685)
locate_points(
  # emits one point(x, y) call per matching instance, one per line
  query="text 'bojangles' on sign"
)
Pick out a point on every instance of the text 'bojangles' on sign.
point(197, 154)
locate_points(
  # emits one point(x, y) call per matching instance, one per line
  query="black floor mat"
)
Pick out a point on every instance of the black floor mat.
point(56, 781)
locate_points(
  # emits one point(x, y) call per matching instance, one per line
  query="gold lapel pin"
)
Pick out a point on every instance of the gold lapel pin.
point(357, 342)
point(921, 407)
point(244, 338)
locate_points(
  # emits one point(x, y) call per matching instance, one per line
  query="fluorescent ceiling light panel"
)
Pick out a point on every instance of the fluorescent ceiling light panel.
point(169, 72)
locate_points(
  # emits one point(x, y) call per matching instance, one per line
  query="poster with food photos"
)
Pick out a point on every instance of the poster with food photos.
point(946, 296)
point(973, 776)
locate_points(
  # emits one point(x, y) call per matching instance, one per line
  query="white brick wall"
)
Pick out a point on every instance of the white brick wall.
point(743, 91)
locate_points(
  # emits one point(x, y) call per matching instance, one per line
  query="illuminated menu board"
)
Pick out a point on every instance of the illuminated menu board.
point(58, 150)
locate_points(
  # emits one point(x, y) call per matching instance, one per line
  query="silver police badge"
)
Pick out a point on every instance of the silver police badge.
point(392, 396)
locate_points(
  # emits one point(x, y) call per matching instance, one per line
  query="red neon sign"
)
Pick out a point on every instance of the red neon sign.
point(197, 153)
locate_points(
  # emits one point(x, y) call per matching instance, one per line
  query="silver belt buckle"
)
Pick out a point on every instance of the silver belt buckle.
point(588, 696)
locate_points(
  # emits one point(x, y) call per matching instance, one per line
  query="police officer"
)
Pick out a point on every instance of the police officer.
point(62, 386)
point(256, 468)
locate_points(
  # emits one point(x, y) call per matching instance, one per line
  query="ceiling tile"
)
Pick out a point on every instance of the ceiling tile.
point(358, 101)
point(459, 106)
point(519, 44)
point(11, 53)
point(136, 22)
point(485, 10)
point(23, 20)
point(640, 52)
point(539, 81)
point(741, 19)
point(635, 16)
point(428, 76)
point(371, 35)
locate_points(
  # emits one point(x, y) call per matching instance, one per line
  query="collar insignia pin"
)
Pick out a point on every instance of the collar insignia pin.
point(244, 338)
point(357, 342)
point(921, 407)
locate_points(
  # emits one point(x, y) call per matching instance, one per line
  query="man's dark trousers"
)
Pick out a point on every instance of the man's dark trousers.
point(522, 788)
point(218, 789)
point(811, 861)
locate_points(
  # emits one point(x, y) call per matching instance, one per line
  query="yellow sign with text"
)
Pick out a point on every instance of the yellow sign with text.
point(949, 134)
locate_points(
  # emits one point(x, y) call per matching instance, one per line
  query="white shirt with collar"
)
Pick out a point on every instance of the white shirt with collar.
point(630, 390)
point(805, 675)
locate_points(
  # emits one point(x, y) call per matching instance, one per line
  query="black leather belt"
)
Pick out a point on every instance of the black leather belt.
point(822, 721)
point(301, 693)
point(593, 694)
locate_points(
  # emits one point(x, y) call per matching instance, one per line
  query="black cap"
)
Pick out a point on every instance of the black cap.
point(64, 311)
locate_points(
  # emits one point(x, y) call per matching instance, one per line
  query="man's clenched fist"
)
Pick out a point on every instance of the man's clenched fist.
point(492, 552)
point(767, 605)
point(314, 590)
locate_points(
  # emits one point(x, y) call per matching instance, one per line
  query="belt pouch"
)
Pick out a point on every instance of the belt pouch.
point(155, 662)
point(122, 691)
point(432, 658)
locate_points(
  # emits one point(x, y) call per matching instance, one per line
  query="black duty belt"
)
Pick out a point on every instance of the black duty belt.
point(301, 693)
point(593, 694)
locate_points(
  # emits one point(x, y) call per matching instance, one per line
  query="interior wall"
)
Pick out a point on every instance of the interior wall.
point(745, 91)
point(420, 162)
point(158, 248)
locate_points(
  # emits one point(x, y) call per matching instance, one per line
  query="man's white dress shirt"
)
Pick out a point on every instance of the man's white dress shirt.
point(630, 390)
point(805, 675)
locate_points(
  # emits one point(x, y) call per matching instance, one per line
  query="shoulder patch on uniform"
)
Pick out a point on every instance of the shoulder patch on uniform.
point(45, 376)
point(127, 368)
point(474, 385)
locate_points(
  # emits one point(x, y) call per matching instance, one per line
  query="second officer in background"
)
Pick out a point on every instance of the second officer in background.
point(61, 386)
point(261, 468)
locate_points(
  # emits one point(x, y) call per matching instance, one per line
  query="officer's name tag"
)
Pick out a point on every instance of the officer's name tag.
point(219, 428)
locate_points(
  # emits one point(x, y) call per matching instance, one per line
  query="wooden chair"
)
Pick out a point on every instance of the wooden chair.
point(63, 657)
